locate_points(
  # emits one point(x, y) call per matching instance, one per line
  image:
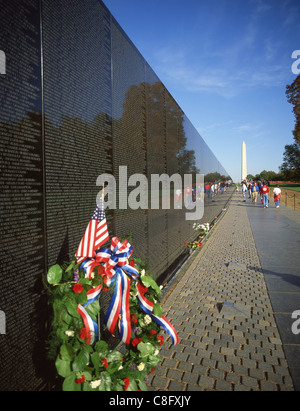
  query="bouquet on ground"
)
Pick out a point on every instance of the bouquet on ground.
point(193, 244)
point(201, 229)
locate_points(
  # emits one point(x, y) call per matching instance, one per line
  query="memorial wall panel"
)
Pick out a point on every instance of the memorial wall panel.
point(129, 139)
point(21, 195)
point(78, 109)
point(156, 159)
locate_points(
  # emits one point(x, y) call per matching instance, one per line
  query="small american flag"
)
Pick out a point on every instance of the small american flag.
point(95, 234)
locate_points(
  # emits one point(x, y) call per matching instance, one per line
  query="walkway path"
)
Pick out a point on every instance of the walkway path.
point(222, 312)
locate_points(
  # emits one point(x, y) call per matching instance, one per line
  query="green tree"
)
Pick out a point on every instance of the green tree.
point(291, 156)
point(293, 97)
point(291, 162)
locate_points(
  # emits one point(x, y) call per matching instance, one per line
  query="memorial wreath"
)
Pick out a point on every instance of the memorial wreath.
point(82, 358)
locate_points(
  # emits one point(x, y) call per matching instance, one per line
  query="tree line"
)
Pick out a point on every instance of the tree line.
point(290, 168)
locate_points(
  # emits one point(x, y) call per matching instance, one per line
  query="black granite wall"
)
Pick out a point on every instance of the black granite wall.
point(77, 100)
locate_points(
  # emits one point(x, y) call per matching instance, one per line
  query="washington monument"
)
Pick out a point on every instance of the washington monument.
point(244, 161)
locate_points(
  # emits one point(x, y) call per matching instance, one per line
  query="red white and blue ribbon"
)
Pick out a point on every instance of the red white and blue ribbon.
point(90, 325)
point(147, 306)
point(118, 271)
point(119, 306)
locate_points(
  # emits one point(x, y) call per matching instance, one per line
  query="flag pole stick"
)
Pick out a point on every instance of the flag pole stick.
point(98, 319)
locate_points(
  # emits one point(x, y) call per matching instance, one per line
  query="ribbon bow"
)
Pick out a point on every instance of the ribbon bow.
point(117, 269)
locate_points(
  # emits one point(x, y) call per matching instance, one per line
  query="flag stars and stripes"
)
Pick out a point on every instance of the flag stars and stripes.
point(95, 234)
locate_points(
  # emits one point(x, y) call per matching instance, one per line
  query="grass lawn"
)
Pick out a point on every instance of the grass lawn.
point(288, 186)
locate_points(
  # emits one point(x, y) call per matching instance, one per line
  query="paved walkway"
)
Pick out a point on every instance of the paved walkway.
point(220, 306)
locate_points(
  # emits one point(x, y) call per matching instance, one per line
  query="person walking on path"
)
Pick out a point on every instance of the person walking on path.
point(212, 191)
point(277, 192)
point(249, 189)
point(207, 189)
point(265, 195)
point(254, 190)
point(244, 189)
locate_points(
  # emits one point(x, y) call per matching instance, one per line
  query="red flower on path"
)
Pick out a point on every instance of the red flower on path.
point(77, 288)
point(127, 382)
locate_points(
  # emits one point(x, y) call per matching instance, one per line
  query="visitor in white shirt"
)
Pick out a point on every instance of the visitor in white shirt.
point(277, 193)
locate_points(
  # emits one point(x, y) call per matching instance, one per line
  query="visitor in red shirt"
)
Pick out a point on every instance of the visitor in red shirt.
point(265, 194)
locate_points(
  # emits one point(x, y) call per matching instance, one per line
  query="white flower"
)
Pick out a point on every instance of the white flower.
point(142, 272)
point(156, 352)
point(141, 366)
point(120, 368)
point(69, 333)
point(147, 319)
point(95, 384)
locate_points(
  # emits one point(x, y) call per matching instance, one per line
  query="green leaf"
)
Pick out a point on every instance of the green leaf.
point(93, 309)
point(72, 308)
point(81, 361)
point(84, 281)
point(54, 274)
point(88, 376)
point(142, 386)
point(69, 383)
point(150, 282)
point(73, 263)
point(82, 297)
point(101, 347)
point(66, 352)
point(106, 382)
point(63, 367)
point(145, 348)
point(95, 357)
point(157, 310)
point(66, 318)
point(118, 387)
point(132, 386)
point(114, 356)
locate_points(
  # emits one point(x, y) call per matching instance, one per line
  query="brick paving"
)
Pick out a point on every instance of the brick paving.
point(220, 308)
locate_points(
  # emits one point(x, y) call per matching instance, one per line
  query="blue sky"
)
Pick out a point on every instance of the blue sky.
point(227, 64)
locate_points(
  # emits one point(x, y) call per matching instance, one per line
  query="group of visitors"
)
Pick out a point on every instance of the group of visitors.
point(209, 189)
point(262, 189)
point(212, 188)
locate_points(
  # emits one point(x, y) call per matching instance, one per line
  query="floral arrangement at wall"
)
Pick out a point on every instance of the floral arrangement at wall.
point(201, 230)
point(82, 358)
